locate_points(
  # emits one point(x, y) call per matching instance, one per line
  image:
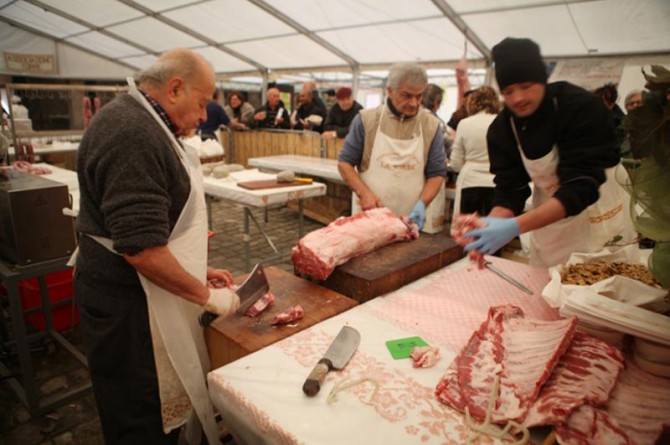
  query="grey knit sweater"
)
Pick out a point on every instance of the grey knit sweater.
point(133, 188)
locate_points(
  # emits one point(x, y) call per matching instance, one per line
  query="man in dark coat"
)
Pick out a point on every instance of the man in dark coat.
point(341, 114)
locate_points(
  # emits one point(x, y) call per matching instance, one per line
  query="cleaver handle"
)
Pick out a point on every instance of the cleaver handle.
point(206, 318)
point(315, 379)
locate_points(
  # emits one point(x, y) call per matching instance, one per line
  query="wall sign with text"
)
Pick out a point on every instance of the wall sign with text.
point(31, 63)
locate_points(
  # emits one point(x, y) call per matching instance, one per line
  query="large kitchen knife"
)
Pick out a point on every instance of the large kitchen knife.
point(255, 286)
point(336, 357)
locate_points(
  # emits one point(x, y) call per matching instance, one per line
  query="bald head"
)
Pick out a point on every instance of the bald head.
point(178, 62)
point(182, 82)
point(273, 97)
point(308, 87)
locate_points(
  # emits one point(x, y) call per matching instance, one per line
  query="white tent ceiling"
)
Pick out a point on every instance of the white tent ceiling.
point(251, 36)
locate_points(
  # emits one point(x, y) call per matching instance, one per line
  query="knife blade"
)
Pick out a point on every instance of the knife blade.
point(255, 286)
point(506, 277)
point(336, 357)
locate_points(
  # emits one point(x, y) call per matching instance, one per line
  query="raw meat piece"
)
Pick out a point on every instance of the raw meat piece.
point(586, 373)
point(447, 390)
point(27, 167)
point(464, 223)
point(260, 305)
point(520, 350)
point(425, 356)
point(216, 284)
point(638, 410)
point(290, 315)
point(640, 403)
point(319, 252)
point(590, 426)
point(86, 110)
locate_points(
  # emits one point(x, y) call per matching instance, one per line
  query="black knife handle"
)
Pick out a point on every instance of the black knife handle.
point(315, 379)
point(206, 318)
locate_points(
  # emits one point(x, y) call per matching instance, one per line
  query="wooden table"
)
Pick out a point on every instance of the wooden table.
point(393, 266)
point(227, 188)
point(229, 339)
point(324, 209)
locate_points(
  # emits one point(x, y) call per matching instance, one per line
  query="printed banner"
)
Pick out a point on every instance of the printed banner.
point(31, 63)
point(588, 74)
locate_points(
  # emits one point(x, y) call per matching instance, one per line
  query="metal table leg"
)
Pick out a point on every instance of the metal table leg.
point(301, 217)
point(208, 202)
point(247, 215)
point(247, 240)
point(27, 392)
point(25, 387)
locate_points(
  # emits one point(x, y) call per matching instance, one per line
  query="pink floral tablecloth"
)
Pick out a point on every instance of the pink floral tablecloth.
point(390, 402)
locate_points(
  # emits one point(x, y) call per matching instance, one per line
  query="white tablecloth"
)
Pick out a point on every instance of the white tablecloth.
point(227, 188)
point(320, 167)
point(62, 175)
point(67, 177)
point(50, 149)
point(261, 399)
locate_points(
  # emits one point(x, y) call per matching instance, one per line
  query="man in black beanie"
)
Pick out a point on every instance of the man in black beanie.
point(559, 137)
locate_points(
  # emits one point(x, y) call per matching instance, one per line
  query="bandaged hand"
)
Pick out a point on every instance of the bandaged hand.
point(418, 214)
point(222, 301)
point(496, 233)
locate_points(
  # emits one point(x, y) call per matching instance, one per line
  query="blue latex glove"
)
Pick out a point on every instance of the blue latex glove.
point(497, 233)
point(418, 214)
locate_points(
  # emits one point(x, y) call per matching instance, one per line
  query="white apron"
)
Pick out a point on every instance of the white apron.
point(588, 231)
point(178, 340)
point(396, 176)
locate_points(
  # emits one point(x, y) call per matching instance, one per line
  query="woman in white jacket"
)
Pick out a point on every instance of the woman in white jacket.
point(469, 155)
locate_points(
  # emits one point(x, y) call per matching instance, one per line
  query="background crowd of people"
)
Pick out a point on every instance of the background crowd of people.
point(331, 112)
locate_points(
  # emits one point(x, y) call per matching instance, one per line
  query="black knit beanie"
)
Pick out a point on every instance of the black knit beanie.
point(518, 60)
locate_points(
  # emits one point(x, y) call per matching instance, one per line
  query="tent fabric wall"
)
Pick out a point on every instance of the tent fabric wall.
point(242, 37)
point(76, 64)
point(72, 63)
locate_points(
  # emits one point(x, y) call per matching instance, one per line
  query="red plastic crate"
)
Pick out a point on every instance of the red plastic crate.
point(59, 287)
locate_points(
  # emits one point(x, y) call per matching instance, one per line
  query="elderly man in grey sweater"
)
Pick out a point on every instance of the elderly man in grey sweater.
point(141, 276)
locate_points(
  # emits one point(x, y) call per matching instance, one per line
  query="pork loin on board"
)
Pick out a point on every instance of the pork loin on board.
point(320, 251)
point(521, 351)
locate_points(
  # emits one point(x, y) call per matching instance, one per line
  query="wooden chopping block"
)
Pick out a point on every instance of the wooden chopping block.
point(393, 266)
point(231, 338)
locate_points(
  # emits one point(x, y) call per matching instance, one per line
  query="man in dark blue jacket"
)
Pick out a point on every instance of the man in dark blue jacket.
point(216, 117)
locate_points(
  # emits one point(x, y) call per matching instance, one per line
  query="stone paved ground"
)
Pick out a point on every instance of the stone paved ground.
point(76, 423)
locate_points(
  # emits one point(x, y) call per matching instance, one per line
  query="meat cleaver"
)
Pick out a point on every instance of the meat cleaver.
point(336, 357)
point(254, 287)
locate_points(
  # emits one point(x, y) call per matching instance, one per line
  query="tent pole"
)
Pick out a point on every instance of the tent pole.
point(355, 79)
point(264, 86)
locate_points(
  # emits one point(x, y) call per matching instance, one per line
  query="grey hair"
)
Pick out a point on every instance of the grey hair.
point(182, 63)
point(408, 72)
point(432, 94)
point(630, 95)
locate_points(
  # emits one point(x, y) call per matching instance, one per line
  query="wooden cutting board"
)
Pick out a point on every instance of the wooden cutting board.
point(268, 184)
point(236, 336)
point(393, 266)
